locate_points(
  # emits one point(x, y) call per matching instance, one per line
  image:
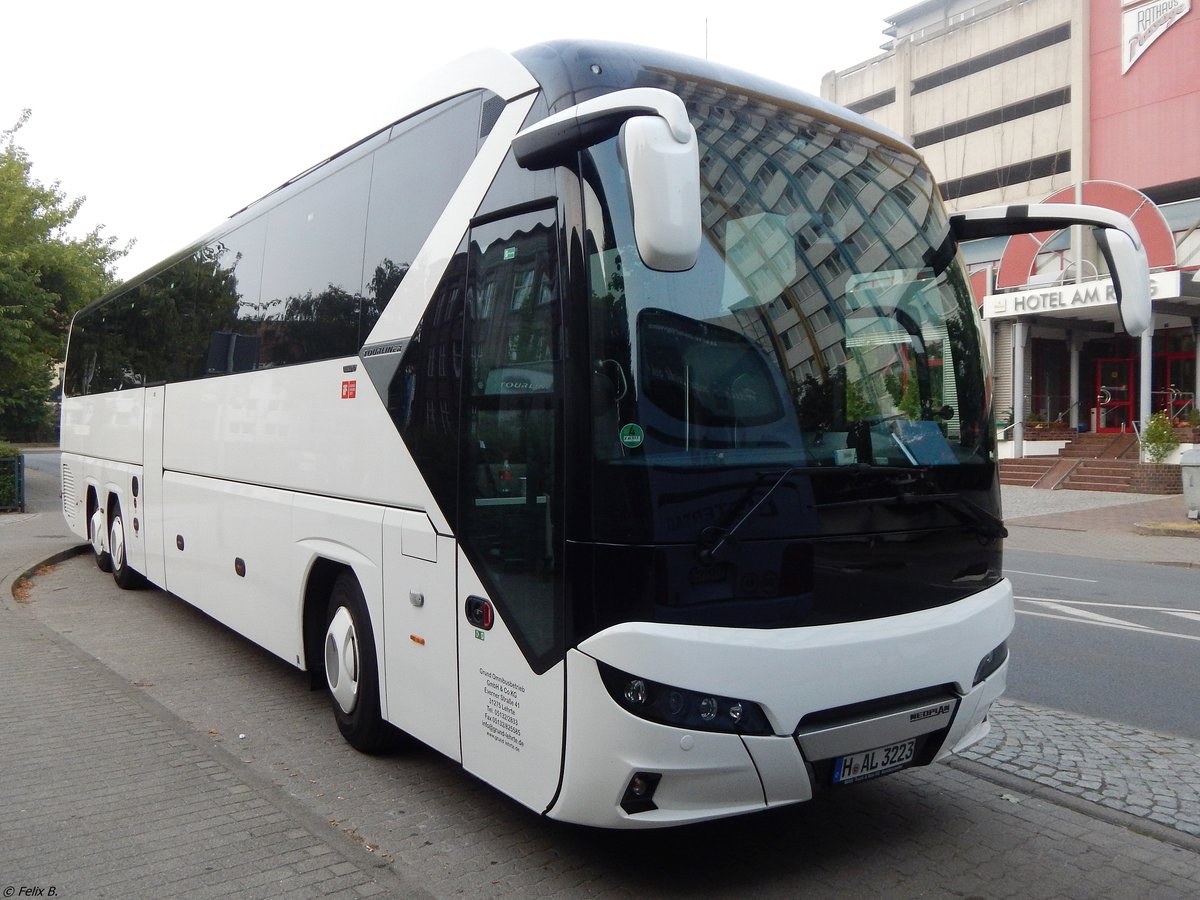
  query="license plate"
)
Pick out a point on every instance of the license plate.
point(873, 763)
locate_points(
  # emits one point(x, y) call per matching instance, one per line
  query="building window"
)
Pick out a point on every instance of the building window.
point(1020, 173)
point(987, 60)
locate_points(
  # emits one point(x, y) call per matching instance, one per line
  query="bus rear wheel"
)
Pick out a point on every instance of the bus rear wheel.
point(96, 533)
point(125, 577)
point(351, 671)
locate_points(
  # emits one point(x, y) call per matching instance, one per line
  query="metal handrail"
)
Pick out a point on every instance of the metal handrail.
point(1058, 419)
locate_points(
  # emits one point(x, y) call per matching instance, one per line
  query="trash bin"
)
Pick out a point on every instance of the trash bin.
point(1189, 464)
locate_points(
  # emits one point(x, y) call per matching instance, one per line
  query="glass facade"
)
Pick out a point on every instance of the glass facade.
point(1109, 381)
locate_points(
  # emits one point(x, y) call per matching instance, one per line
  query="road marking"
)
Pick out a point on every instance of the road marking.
point(1183, 614)
point(1070, 611)
point(1136, 628)
point(1044, 575)
point(1187, 614)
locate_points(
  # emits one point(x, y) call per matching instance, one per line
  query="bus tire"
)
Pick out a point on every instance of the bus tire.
point(351, 670)
point(96, 537)
point(125, 577)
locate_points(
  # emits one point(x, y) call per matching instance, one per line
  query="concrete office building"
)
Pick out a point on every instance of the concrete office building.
point(1093, 101)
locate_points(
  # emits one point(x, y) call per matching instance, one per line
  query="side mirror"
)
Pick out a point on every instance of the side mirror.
point(664, 192)
point(661, 157)
point(1115, 234)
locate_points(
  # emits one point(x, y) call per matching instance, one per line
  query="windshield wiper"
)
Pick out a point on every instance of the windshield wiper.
point(708, 554)
point(984, 522)
point(980, 520)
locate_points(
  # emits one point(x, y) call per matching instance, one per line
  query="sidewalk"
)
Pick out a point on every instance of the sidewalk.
point(1100, 525)
point(104, 792)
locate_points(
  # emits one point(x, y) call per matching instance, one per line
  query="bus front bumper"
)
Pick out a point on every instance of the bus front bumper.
point(624, 771)
point(697, 776)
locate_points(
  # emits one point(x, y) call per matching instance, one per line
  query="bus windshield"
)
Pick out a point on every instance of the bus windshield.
point(827, 323)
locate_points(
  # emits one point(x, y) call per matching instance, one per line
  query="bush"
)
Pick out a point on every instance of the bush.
point(1159, 438)
point(8, 475)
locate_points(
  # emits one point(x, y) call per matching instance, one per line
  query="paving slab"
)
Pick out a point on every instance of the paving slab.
point(1098, 525)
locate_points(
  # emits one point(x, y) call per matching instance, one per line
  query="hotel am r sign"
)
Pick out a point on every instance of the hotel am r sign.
point(1070, 298)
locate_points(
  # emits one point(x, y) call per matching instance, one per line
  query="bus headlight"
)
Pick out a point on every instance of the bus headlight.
point(681, 708)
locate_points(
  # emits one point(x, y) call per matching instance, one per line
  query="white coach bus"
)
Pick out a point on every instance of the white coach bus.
point(615, 423)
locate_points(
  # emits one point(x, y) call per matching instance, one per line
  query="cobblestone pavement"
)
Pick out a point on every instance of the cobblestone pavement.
point(105, 793)
point(1152, 776)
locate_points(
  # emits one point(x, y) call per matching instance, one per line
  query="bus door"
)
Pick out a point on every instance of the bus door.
point(511, 635)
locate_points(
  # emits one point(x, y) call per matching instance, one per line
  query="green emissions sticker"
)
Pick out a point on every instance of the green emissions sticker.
point(632, 435)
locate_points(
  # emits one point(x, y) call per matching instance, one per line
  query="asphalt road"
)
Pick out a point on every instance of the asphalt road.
point(42, 460)
point(1114, 640)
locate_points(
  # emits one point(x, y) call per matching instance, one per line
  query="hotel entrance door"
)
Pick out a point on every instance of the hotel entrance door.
point(1114, 395)
point(1175, 381)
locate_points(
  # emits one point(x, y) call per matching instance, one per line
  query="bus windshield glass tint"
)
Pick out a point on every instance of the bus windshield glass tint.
point(827, 322)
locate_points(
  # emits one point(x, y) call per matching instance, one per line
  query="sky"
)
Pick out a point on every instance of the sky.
point(169, 116)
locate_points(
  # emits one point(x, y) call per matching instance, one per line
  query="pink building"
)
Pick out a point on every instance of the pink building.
point(1095, 101)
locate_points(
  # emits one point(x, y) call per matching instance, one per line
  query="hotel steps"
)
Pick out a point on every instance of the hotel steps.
point(1025, 472)
point(1090, 462)
point(1115, 475)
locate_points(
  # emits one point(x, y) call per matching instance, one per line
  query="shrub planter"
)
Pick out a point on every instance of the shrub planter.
point(12, 479)
point(1157, 478)
point(1187, 434)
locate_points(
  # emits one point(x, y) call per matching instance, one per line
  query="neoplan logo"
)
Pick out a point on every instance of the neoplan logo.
point(932, 712)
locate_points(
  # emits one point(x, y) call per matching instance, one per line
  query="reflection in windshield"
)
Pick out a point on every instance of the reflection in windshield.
point(795, 432)
point(827, 322)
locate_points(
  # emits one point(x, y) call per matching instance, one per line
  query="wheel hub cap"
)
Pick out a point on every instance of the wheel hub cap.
point(341, 660)
point(98, 532)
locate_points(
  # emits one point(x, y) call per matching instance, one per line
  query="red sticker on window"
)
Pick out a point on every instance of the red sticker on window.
point(349, 389)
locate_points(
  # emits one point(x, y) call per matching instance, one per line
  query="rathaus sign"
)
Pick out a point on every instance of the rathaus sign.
point(1144, 23)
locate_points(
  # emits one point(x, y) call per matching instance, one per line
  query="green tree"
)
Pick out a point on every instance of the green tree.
point(45, 276)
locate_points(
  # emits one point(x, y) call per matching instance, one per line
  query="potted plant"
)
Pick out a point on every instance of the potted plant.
point(1158, 438)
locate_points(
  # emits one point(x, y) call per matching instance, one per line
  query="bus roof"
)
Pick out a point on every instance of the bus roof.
point(567, 72)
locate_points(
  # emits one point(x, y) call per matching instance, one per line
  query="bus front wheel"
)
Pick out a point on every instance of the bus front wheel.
point(351, 673)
